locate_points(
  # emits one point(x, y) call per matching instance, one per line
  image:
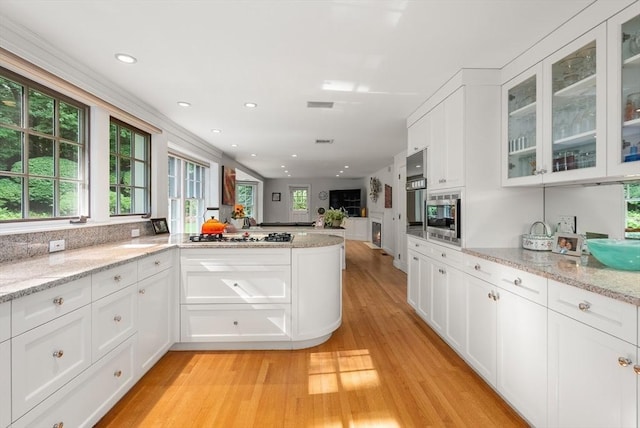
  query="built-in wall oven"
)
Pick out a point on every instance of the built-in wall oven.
point(443, 217)
point(416, 191)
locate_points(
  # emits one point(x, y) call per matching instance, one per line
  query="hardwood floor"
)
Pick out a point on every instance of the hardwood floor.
point(382, 368)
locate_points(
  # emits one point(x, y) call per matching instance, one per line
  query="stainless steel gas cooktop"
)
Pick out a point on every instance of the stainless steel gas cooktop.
point(245, 237)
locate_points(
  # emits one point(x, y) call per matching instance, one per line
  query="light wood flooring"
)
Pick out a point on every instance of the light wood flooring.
point(382, 368)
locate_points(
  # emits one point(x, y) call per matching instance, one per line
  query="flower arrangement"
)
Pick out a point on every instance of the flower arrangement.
point(238, 211)
point(333, 217)
point(376, 187)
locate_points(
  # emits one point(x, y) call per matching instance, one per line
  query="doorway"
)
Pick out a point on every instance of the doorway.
point(299, 204)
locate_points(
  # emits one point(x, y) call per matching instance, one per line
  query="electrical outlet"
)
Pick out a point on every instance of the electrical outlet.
point(567, 223)
point(56, 245)
point(135, 233)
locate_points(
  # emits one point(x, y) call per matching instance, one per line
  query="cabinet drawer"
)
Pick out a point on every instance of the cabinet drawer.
point(38, 308)
point(114, 279)
point(234, 323)
point(480, 268)
point(88, 397)
point(5, 383)
point(5, 321)
point(524, 284)
point(47, 357)
point(609, 315)
point(235, 256)
point(154, 263)
point(446, 255)
point(114, 319)
point(251, 284)
point(419, 245)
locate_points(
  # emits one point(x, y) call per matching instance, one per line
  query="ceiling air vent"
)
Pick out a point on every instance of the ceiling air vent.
point(319, 104)
point(325, 141)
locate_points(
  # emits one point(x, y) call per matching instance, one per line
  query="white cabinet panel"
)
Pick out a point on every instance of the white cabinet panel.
point(111, 280)
point(155, 263)
point(481, 336)
point(230, 284)
point(5, 383)
point(591, 384)
point(5, 321)
point(38, 308)
point(88, 397)
point(234, 323)
point(357, 228)
point(155, 318)
point(413, 279)
point(235, 256)
point(524, 284)
point(456, 324)
point(114, 319)
point(419, 135)
point(47, 357)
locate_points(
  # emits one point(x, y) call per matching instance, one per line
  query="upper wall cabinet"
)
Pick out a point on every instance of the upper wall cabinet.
point(419, 135)
point(550, 133)
point(623, 156)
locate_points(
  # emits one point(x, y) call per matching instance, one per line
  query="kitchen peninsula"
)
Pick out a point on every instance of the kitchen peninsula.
point(84, 325)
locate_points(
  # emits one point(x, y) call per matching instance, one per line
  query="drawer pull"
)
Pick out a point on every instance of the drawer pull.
point(117, 278)
point(117, 373)
point(157, 263)
point(584, 306)
point(443, 255)
point(117, 318)
point(636, 368)
point(235, 284)
point(58, 425)
point(415, 258)
point(624, 362)
point(489, 296)
point(142, 291)
point(58, 353)
point(235, 323)
point(477, 266)
point(58, 301)
point(517, 282)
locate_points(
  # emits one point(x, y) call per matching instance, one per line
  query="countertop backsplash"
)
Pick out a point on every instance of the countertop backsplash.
point(21, 245)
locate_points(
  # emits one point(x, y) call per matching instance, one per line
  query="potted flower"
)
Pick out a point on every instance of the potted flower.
point(334, 217)
point(237, 216)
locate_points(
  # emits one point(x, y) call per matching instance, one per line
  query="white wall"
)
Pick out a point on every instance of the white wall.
point(597, 208)
point(279, 211)
point(388, 215)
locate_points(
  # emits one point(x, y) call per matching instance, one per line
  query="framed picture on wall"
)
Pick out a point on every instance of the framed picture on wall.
point(228, 186)
point(275, 196)
point(387, 196)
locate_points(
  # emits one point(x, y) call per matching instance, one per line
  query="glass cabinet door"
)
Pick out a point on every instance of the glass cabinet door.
point(574, 110)
point(522, 129)
point(630, 148)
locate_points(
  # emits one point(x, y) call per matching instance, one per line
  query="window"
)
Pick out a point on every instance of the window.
point(129, 169)
point(246, 196)
point(43, 146)
point(299, 199)
point(632, 210)
point(186, 195)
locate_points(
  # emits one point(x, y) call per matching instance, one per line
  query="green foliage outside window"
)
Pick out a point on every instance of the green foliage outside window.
point(300, 199)
point(245, 196)
point(632, 200)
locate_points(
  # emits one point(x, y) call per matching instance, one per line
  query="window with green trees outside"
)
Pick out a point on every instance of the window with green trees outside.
point(632, 209)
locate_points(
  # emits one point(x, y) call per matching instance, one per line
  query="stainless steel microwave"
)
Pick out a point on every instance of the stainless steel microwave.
point(443, 217)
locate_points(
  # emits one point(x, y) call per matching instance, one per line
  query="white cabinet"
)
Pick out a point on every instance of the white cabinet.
point(456, 314)
point(623, 155)
point(413, 278)
point(46, 357)
point(155, 317)
point(113, 279)
point(357, 228)
point(5, 383)
point(114, 319)
point(419, 135)
point(591, 378)
point(481, 342)
point(446, 160)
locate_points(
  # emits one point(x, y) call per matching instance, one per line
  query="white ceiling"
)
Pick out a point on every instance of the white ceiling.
point(377, 60)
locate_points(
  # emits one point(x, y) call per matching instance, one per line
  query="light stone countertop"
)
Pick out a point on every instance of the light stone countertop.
point(583, 272)
point(20, 278)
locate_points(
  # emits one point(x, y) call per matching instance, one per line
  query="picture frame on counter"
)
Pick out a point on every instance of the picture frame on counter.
point(567, 243)
point(160, 225)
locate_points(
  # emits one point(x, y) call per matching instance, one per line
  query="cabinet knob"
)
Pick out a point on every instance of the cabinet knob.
point(58, 301)
point(58, 354)
point(142, 291)
point(489, 295)
point(235, 284)
point(584, 306)
point(117, 373)
point(517, 282)
point(235, 323)
point(477, 266)
point(636, 368)
point(58, 425)
point(415, 258)
point(117, 278)
point(157, 263)
point(117, 318)
point(624, 362)
point(443, 255)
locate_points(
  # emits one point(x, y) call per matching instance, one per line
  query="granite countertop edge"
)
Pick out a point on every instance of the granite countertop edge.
point(21, 278)
point(583, 272)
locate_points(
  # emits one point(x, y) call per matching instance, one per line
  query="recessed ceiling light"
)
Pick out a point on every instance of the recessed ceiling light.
point(253, 155)
point(127, 59)
point(337, 175)
point(234, 145)
point(216, 131)
point(282, 166)
point(286, 171)
point(341, 172)
point(250, 105)
point(184, 104)
point(346, 166)
point(288, 175)
point(294, 155)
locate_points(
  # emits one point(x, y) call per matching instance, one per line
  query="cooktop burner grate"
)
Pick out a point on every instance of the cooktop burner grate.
point(219, 237)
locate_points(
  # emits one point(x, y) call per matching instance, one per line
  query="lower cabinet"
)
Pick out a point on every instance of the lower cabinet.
point(155, 318)
point(357, 228)
point(481, 339)
point(592, 382)
point(5, 383)
point(413, 278)
point(88, 397)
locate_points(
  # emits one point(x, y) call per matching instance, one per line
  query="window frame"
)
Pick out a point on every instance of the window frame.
point(253, 211)
point(82, 180)
point(181, 179)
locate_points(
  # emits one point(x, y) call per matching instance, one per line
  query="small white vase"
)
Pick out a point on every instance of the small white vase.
point(237, 222)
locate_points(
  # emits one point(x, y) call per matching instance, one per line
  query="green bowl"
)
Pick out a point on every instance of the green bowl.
point(616, 253)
